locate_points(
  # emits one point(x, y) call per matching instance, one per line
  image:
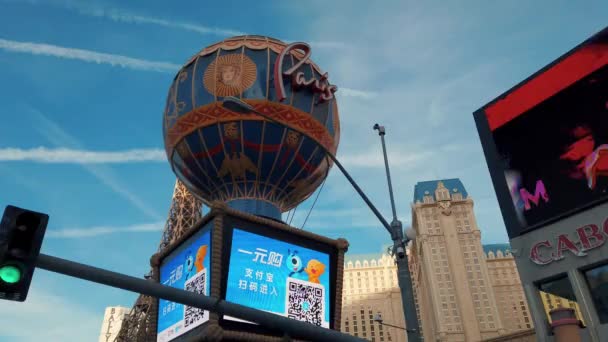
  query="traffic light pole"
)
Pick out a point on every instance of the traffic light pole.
point(289, 326)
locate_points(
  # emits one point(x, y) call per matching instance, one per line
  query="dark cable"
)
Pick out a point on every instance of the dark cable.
point(288, 213)
point(313, 203)
point(293, 214)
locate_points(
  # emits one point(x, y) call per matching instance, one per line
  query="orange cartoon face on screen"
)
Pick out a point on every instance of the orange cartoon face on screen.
point(314, 269)
point(200, 258)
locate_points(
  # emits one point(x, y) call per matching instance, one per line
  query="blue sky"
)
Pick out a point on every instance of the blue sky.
point(83, 90)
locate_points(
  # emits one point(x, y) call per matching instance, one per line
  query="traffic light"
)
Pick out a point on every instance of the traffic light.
point(21, 234)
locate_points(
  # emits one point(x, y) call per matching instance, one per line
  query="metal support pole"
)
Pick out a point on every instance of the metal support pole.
point(289, 326)
point(393, 326)
point(381, 133)
point(403, 270)
point(405, 284)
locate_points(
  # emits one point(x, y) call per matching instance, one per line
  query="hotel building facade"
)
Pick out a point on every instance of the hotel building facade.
point(464, 291)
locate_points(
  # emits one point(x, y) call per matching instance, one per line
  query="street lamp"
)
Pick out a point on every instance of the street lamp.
point(399, 243)
point(394, 229)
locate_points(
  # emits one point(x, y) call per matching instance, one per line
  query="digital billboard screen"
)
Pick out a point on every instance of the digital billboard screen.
point(187, 267)
point(546, 141)
point(279, 277)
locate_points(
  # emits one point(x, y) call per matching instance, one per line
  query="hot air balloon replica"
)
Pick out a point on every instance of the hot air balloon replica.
point(249, 170)
point(244, 160)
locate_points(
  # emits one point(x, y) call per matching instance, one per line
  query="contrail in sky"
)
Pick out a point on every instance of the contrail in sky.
point(87, 56)
point(119, 60)
point(77, 156)
point(122, 16)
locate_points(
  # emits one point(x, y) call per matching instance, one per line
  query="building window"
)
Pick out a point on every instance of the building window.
point(598, 286)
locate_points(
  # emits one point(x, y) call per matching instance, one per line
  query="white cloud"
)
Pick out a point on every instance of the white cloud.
point(426, 82)
point(123, 16)
point(68, 155)
point(118, 15)
point(356, 93)
point(86, 232)
point(118, 60)
point(87, 56)
point(57, 136)
point(45, 316)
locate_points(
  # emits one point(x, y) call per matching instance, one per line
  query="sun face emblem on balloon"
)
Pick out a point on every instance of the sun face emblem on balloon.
point(230, 75)
point(231, 130)
point(292, 139)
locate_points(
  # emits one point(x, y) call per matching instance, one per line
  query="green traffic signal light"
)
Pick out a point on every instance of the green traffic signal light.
point(10, 274)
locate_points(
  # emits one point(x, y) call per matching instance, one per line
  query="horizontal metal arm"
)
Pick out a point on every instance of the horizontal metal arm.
point(394, 326)
point(361, 193)
point(289, 326)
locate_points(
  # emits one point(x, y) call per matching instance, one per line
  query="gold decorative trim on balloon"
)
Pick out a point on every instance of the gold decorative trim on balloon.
point(336, 120)
point(214, 112)
point(251, 42)
point(230, 75)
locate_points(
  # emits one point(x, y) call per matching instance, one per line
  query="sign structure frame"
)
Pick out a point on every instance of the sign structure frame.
point(188, 266)
point(523, 97)
point(221, 220)
point(232, 224)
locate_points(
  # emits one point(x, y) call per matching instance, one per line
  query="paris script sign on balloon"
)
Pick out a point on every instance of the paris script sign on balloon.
point(298, 79)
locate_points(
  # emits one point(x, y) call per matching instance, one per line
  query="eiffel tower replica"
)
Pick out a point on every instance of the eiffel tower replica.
point(184, 212)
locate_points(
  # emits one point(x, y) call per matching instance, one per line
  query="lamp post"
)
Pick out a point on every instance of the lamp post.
point(399, 243)
point(394, 229)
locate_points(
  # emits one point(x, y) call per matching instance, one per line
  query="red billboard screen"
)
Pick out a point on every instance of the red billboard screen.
point(546, 140)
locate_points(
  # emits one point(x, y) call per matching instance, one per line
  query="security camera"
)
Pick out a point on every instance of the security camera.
point(400, 252)
point(380, 129)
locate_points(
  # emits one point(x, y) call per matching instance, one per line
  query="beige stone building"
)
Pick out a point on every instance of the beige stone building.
point(370, 288)
point(464, 293)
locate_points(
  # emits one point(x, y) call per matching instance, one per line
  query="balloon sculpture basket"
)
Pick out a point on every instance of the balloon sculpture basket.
point(252, 261)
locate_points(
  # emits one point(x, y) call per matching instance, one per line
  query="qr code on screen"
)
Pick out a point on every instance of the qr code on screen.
point(196, 284)
point(305, 301)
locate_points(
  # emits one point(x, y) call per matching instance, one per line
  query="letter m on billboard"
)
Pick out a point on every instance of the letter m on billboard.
point(547, 138)
point(539, 192)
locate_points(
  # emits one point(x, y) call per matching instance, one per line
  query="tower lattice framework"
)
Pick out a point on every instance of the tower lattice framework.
point(184, 212)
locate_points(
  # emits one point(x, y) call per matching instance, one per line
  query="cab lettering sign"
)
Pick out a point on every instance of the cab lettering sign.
point(582, 240)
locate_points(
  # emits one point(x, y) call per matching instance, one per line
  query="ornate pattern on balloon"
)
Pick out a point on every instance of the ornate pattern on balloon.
point(224, 155)
point(214, 113)
point(230, 75)
point(251, 42)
